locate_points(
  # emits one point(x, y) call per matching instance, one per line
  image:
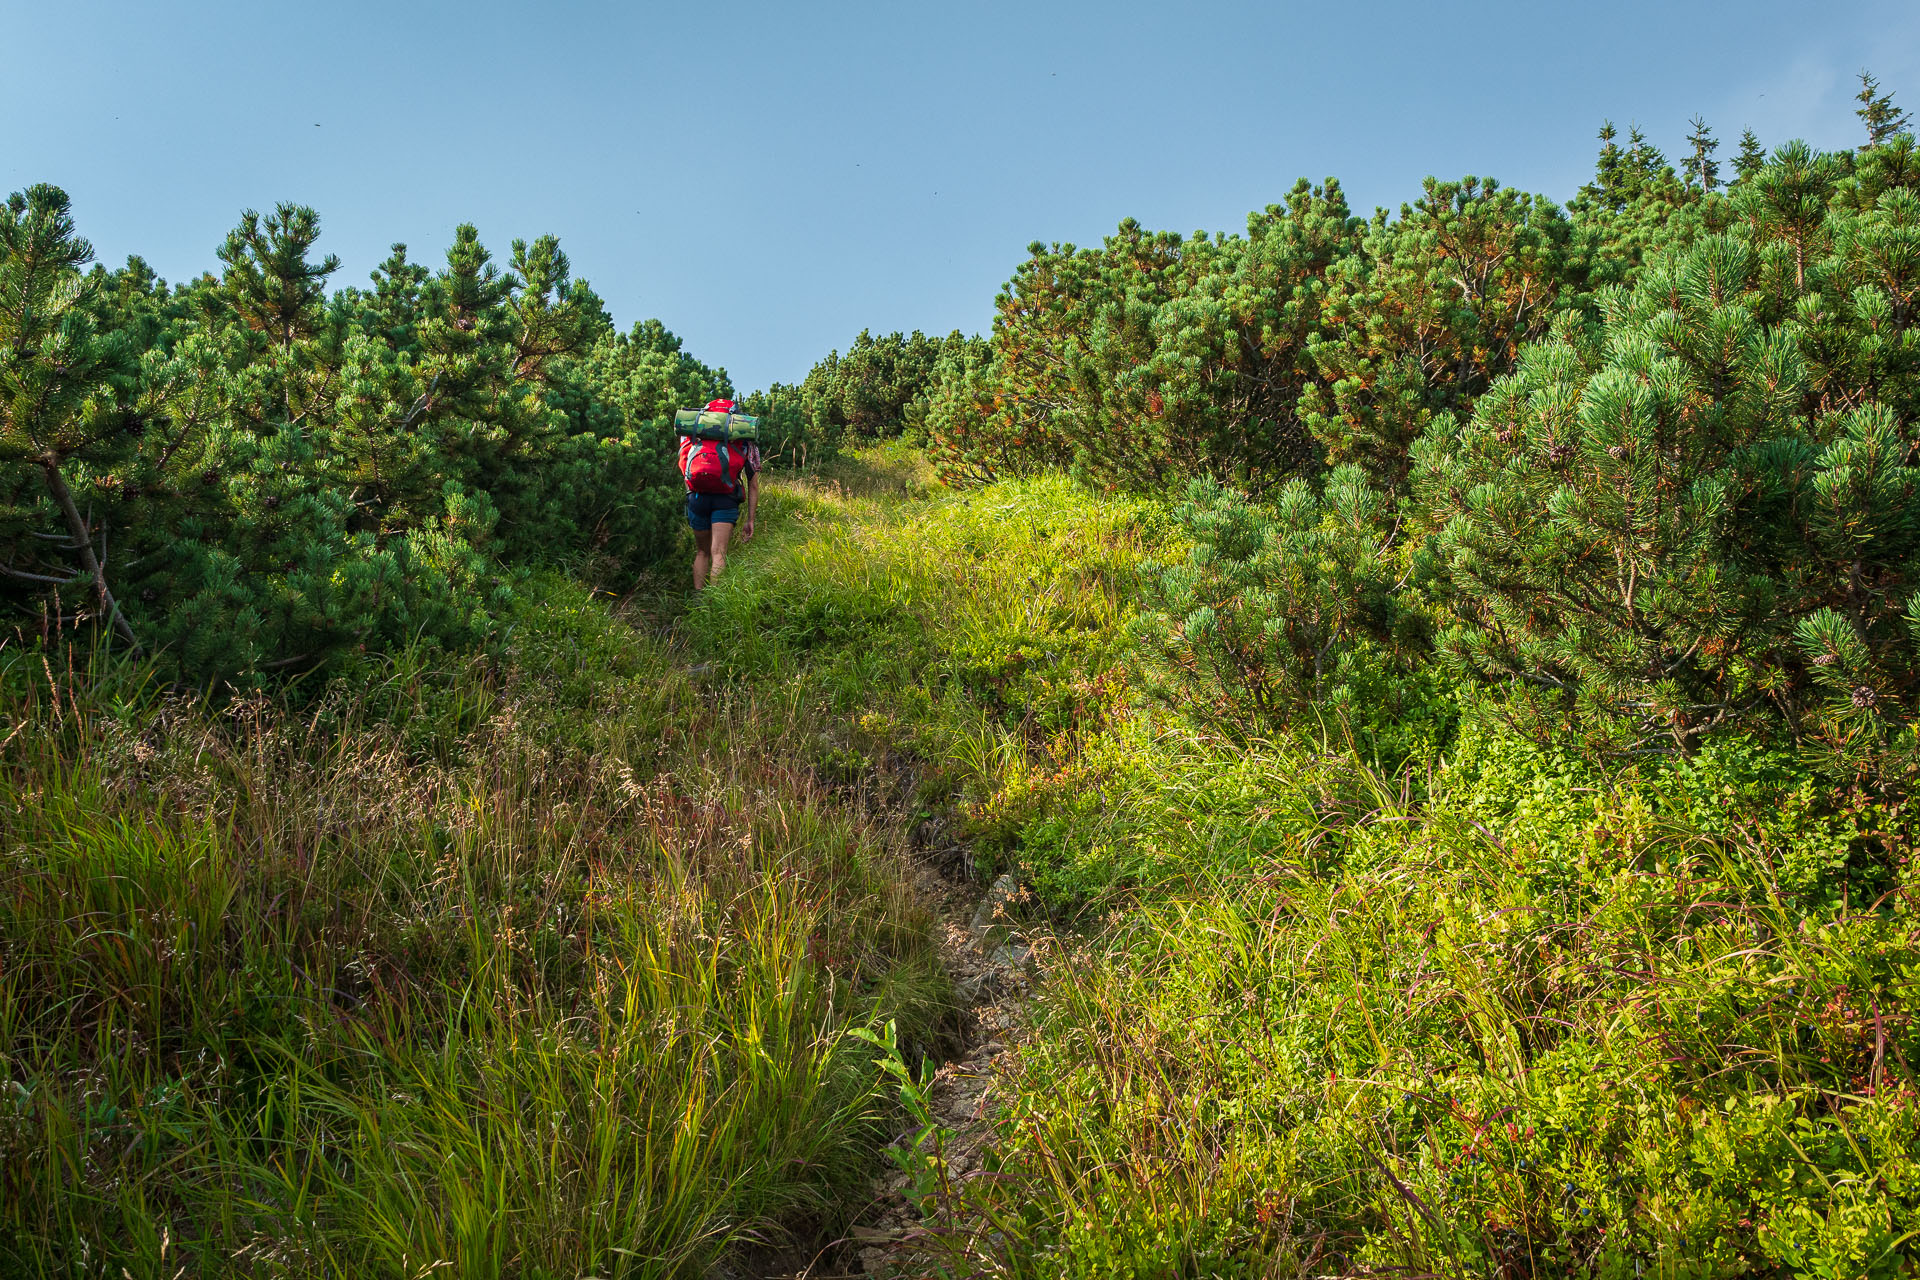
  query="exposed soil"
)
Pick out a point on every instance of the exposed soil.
point(989, 960)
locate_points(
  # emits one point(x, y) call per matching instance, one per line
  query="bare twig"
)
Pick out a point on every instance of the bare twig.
point(82, 537)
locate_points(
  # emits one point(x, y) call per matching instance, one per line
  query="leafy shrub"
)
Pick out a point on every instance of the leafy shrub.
point(1314, 339)
point(251, 478)
point(788, 438)
point(877, 388)
point(1668, 526)
point(1431, 308)
point(1449, 1051)
point(1291, 606)
point(1154, 358)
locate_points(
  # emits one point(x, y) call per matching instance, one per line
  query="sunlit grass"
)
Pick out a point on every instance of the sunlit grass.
point(1494, 1013)
point(540, 962)
point(530, 966)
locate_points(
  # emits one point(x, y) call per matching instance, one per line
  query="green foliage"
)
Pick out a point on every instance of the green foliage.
point(1623, 174)
point(1434, 307)
point(1882, 119)
point(1545, 1023)
point(877, 389)
point(1702, 170)
point(1313, 340)
point(1152, 359)
point(1656, 628)
point(983, 635)
point(62, 382)
point(1696, 512)
point(921, 1156)
point(1752, 157)
point(535, 965)
point(1289, 609)
point(786, 439)
point(970, 436)
point(1636, 204)
point(253, 478)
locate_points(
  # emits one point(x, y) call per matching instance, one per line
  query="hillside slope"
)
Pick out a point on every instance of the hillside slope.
point(1475, 1007)
point(544, 961)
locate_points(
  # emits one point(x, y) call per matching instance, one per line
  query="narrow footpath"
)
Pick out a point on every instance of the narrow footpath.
point(987, 958)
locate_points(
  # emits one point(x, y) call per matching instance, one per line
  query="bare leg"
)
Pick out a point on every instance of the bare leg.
point(702, 556)
point(721, 534)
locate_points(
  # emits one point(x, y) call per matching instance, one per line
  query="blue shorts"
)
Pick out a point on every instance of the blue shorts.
point(705, 510)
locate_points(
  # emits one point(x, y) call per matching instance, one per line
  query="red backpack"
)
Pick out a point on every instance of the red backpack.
point(711, 466)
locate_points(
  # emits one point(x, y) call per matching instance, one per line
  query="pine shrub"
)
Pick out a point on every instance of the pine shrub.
point(249, 477)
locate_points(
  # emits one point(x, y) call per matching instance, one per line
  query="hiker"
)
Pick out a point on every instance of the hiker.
point(719, 475)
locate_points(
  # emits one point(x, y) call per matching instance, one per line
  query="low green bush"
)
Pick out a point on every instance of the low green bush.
point(1297, 609)
point(1545, 1022)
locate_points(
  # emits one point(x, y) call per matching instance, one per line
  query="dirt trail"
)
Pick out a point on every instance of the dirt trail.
point(988, 958)
point(989, 962)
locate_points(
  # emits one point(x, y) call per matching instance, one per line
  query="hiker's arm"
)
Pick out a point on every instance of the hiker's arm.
point(753, 501)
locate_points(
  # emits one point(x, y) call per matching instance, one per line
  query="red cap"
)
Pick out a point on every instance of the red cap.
point(720, 406)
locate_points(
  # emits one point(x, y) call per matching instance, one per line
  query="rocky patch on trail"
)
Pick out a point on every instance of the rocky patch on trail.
point(989, 960)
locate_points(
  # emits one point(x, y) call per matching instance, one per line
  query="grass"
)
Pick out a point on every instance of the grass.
point(530, 965)
point(1496, 1013)
point(1425, 1052)
point(544, 962)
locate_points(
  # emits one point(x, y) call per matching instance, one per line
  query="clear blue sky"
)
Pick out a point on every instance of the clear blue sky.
point(770, 178)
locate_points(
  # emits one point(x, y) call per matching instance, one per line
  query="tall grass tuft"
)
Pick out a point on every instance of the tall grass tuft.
point(536, 964)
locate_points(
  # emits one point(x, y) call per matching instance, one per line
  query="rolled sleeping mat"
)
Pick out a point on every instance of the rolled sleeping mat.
point(713, 424)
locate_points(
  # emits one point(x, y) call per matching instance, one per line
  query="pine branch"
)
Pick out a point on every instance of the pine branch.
point(82, 536)
point(64, 542)
point(24, 576)
point(421, 405)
